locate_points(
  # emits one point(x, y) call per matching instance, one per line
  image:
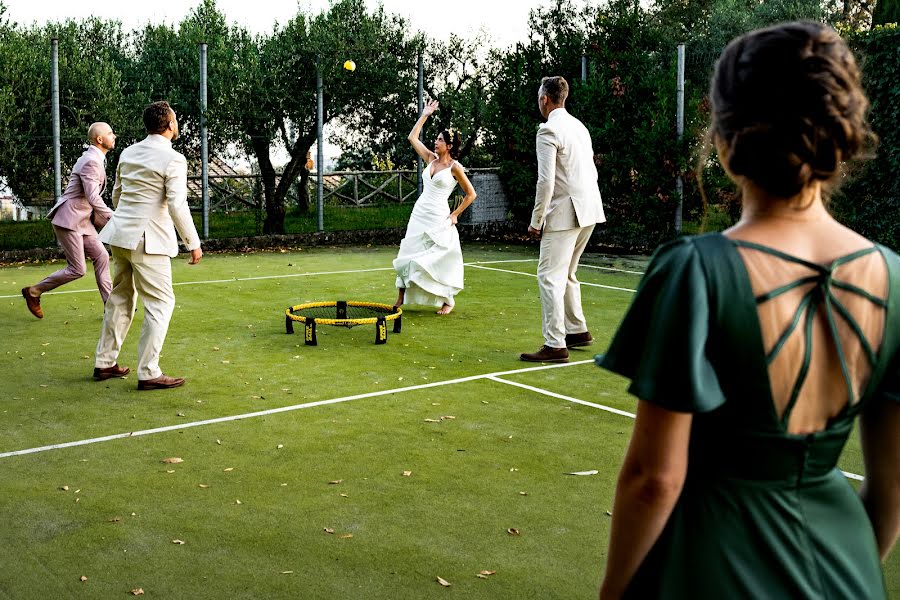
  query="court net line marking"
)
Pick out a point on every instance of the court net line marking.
point(291, 275)
point(616, 411)
point(282, 409)
point(599, 285)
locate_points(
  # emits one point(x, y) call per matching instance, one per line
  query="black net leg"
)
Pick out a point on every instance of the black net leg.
point(380, 331)
point(288, 324)
point(310, 333)
point(397, 324)
point(341, 309)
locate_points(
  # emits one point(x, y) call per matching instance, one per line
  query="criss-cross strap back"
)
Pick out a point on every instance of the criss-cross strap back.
point(849, 334)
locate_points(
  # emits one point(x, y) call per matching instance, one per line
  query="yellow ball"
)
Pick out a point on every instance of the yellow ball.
point(350, 65)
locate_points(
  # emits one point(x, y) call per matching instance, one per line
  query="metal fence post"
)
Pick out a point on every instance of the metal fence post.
point(679, 185)
point(320, 151)
point(54, 101)
point(421, 105)
point(204, 143)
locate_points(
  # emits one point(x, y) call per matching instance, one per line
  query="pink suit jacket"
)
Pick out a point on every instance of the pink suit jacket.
point(82, 196)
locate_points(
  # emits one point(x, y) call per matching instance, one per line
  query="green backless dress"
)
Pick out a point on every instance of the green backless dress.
point(764, 513)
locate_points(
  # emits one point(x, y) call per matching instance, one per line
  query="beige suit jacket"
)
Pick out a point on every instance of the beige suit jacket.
point(150, 198)
point(82, 197)
point(567, 195)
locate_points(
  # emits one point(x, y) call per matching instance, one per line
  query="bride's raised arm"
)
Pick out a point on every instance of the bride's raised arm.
point(413, 137)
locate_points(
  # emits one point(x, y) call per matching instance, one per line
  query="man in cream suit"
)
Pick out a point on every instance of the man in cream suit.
point(567, 205)
point(150, 198)
point(75, 218)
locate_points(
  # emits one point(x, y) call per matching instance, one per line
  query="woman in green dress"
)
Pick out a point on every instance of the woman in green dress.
point(752, 352)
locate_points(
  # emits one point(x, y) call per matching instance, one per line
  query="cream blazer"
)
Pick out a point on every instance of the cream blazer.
point(150, 198)
point(567, 195)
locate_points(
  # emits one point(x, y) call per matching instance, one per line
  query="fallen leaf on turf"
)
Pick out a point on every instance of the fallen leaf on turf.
point(181, 414)
point(114, 520)
point(65, 488)
point(178, 542)
point(523, 493)
point(328, 530)
point(170, 471)
point(133, 514)
point(226, 362)
point(173, 461)
point(203, 485)
point(76, 491)
point(346, 536)
point(228, 469)
point(432, 420)
point(83, 578)
point(280, 446)
point(237, 501)
point(486, 573)
point(137, 592)
point(344, 496)
point(215, 348)
point(591, 472)
point(608, 514)
point(43, 385)
point(443, 582)
point(335, 482)
point(407, 473)
point(447, 417)
point(512, 531)
point(285, 572)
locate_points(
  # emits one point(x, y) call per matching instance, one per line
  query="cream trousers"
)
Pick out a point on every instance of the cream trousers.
point(150, 277)
point(560, 291)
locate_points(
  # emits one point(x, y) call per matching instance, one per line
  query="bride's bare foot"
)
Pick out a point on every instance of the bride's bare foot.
point(445, 310)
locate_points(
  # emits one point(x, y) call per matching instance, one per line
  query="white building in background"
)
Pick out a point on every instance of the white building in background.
point(12, 209)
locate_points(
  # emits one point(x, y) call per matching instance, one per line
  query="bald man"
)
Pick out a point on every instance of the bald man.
point(76, 216)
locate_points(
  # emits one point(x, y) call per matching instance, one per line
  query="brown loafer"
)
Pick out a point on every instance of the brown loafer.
point(547, 354)
point(34, 304)
point(102, 374)
point(577, 340)
point(163, 382)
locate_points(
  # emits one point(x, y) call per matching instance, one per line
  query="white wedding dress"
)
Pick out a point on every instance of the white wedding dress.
point(430, 264)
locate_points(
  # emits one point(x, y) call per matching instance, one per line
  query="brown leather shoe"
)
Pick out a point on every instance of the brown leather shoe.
point(577, 340)
point(102, 374)
point(547, 354)
point(163, 382)
point(34, 304)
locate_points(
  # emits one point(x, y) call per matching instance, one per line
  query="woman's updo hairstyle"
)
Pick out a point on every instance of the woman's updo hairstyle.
point(451, 138)
point(788, 105)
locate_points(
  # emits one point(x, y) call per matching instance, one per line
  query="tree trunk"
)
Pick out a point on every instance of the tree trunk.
point(274, 221)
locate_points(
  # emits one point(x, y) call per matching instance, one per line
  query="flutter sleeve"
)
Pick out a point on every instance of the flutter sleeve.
point(661, 344)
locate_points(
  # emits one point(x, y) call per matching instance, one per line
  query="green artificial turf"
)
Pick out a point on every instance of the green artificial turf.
point(264, 504)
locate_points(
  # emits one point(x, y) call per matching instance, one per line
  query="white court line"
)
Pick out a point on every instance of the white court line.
point(290, 275)
point(561, 397)
point(606, 287)
point(609, 269)
point(616, 411)
point(282, 409)
point(233, 279)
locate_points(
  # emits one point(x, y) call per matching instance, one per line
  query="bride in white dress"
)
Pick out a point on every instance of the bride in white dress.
point(430, 265)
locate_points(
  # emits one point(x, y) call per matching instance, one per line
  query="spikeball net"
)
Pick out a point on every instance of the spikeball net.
point(342, 314)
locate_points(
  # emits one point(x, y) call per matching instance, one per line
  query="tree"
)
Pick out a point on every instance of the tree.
point(886, 11)
point(90, 90)
point(272, 102)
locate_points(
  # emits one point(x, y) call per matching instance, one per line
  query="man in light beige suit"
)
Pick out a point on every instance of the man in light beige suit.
point(76, 216)
point(150, 198)
point(567, 206)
